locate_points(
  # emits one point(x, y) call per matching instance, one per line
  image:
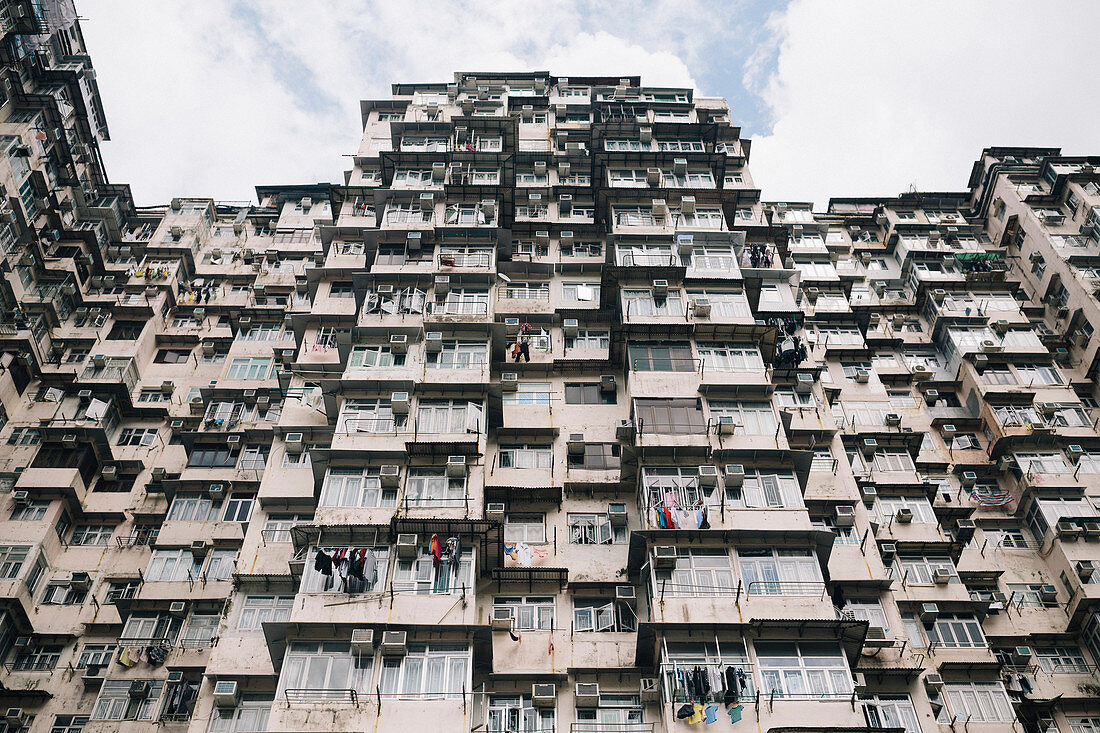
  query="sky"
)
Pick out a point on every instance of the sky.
point(844, 98)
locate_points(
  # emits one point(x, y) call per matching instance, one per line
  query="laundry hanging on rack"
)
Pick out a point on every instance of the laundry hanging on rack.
point(436, 548)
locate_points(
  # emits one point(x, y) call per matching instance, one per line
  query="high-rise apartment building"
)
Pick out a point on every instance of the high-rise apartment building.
point(541, 422)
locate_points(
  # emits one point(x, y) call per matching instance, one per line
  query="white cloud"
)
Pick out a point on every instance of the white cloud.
point(212, 103)
point(869, 97)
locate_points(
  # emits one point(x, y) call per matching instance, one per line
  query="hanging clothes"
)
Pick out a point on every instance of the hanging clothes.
point(370, 567)
point(714, 677)
point(735, 714)
point(732, 692)
point(685, 711)
point(711, 714)
point(322, 563)
point(704, 522)
point(524, 554)
point(124, 658)
point(355, 567)
point(436, 548)
point(454, 552)
point(696, 714)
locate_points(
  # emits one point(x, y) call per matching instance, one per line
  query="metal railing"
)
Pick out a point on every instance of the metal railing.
point(628, 259)
point(594, 727)
point(321, 695)
point(377, 425)
point(139, 538)
point(786, 588)
point(672, 691)
point(691, 590)
point(669, 364)
point(452, 308)
point(465, 259)
point(526, 293)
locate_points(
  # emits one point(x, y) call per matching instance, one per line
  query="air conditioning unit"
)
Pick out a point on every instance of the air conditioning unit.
point(931, 396)
point(734, 476)
point(626, 594)
point(607, 382)
point(427, 201)
point(200, 548)
point(888, 551)
point(294, 442)
point(653, 176)
point(509, 381)
point(544, 695)
point(20, 498)
point(139, 689)
point(687, 204)
point(869, 446)
point(708, 476)
point(1091, 530)
point(845, 516)
point(494, 511)
point(947, 430)
point(1085, 569)
point(456, 466)
point(660, 287)
point(502, 619)
point(893, 419)
point(565, 237)
point(624, 430)
point(399, 343)
point(679, 166)
point(433, 342)
point(968, 479)
point(929, 612)
point(109, 473)
point(226, 694)
point(941, 576)
point(399, 403)
point(804, 383)
point(863, 376)
point(442, 284)
point(570, 326)
point(617, 514)
point(575, 443)
point(933, 683)
point(177, 608)
point(362, 641)
point(1048, 593)
point(394, 643)
point(868, 493)
point(407, 546)
point(700, 307)
point(904, 515)
point(964, 529)
point(685, 243)
point(874, 320)
point(565, 203)
point(412, 241)
point(664, 557)
point(1067, 530)
point(876, 637)
point(726, 425)
point(991, 347)
point(158, 473)
point(659, 207)
point(587, 695)
point(542, 236)
point(217, 491)
point(92, 677)
point(80, 581)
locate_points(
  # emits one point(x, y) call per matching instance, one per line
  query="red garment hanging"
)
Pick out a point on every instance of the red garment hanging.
point(437, 548)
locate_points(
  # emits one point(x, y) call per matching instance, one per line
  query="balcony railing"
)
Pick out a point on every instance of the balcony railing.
point(465, 259)
point(594, 727)
point(321, 695)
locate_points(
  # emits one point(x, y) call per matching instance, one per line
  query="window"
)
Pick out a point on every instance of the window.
point(220, 565)
point(138, 436)
point(69, 724)
point(1008, 537)
point(24, 436)
point(449, 416)
point(869, 611)
point(573, 292)
point(767, 491)
point(679, 416)
point(116, 703)
point(62, 594)
point(803, 669)
point(153, 395)
point(698, 572)
point(601, 614)
point(237, 508)
point(533, 613)
point(723, 358)
point(368, 416)
point(427, 671)
point(192, 508)
point(92, 534)
point(172, 356)
point(170, 565)
point(578, 393)
point(247, 716)
point(424, 576)
point(277, 526)
point(647, 303)
point(1045, 513)
point(38, 658)
point(978, 702)
point(1061, 660)
point(529, 393)
point(823, 460)
point(749, 418)
point(588, 338)
point(12, 558)
point(891, 711)
point(921, 570)
point(956, 630)
point(615, 713)
point(432, 486)
point(209, 456)
point(254, 457)
point(201, 630)
point(369, 357)
point(32, 511)
point(126, 331)
point(514, 714)
point(313, 581)
point(249, 368)
point(596, 457)
point(1030, 595)
point(356, 487)
point(341, 289)
point(121, 591)
point(887, 508)
point(790, 572)
point(95, 655)
point(525, 456)
point(529, 528)
point(893, 461)
point(594, 529)
point(318, 671)
point(459, 355)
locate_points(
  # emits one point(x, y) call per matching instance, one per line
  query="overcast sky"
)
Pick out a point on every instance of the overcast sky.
point(846, 98)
